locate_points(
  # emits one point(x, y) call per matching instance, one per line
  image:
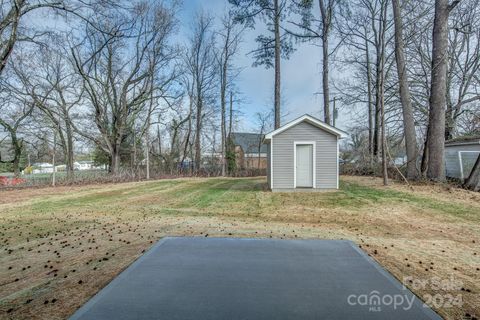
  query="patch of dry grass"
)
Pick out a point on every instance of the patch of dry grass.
point(60, 246)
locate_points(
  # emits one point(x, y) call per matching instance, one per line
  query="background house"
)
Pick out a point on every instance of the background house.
point(42, 167)
point(250, 152)
point(84, 165)
point(460, 156)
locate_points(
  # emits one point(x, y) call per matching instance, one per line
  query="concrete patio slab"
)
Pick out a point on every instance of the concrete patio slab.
point(220, 278)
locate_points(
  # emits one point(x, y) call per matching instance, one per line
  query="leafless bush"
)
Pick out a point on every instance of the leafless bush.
point(367, 169)
point(125, 175)
point(249, 173)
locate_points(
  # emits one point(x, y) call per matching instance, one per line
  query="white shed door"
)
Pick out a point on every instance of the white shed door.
point(304, 169)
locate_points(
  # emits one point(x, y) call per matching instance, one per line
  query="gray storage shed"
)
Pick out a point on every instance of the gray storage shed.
point(302, 155)
point(460, 156)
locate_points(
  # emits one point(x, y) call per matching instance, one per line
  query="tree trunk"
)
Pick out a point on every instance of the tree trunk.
point(69, 158)
point(384, 148)
point(424, 165)
point(7, 46)
point(224, 163)
point(376, 130)
point(17, 147)
point(198, 128)
point(438, 94)
point(259, 156)
point(370, 104)
point(277, 64)
point(326, 91)
point(449, 123)
point(223, 89)
point(16, 167)
point(473, 180)
point(325, 33)
point(188, 135)
point(147, 153)
point(382, 95)
point(408, 119)
point(230, 118)
point(54, 174)
point(115, 160)
point(159, 138)
point(334, 111)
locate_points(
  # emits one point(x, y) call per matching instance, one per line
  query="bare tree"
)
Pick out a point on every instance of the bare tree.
point(229, 39)
point(368, 71)
point(187, 145)
point(230, 114)
point(50, 82)
point(469, 123)
point(417, 22)
point(117, 63)
point(438, 91)
point(201, 66)
point(263, 123)
point(363, 26)
point(14, 12)
point(463, 93)
point(13, 117)
point(380, 87)
point(379, 25)
point(404, 90)
point(326, 12)
point(175, 128)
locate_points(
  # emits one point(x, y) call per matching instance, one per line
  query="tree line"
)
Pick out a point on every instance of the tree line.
point(114, 76)
point(419, 64)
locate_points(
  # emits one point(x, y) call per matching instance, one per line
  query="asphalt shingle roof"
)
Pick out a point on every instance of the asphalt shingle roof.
point(249, 141)
point(475, 139)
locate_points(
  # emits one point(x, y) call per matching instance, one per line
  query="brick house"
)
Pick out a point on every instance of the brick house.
point(250, 152)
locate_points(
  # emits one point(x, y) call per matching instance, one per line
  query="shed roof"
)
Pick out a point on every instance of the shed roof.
point(463, 140)
point(249, 142)
point(311, 120)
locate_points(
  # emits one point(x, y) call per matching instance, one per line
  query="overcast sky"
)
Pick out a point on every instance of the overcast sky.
point(300, 75)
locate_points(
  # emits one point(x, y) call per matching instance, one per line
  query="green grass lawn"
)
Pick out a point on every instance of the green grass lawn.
point(61, 245)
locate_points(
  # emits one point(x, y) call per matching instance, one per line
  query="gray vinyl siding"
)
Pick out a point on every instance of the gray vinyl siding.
point(325, 153)
point(452, 161)
point(268, 165)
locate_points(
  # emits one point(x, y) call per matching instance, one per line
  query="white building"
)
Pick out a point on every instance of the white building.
point(42, 167)
point(84, 165)
point(460, 156)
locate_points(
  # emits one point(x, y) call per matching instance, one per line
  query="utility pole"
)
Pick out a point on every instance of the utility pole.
point(334, 110)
